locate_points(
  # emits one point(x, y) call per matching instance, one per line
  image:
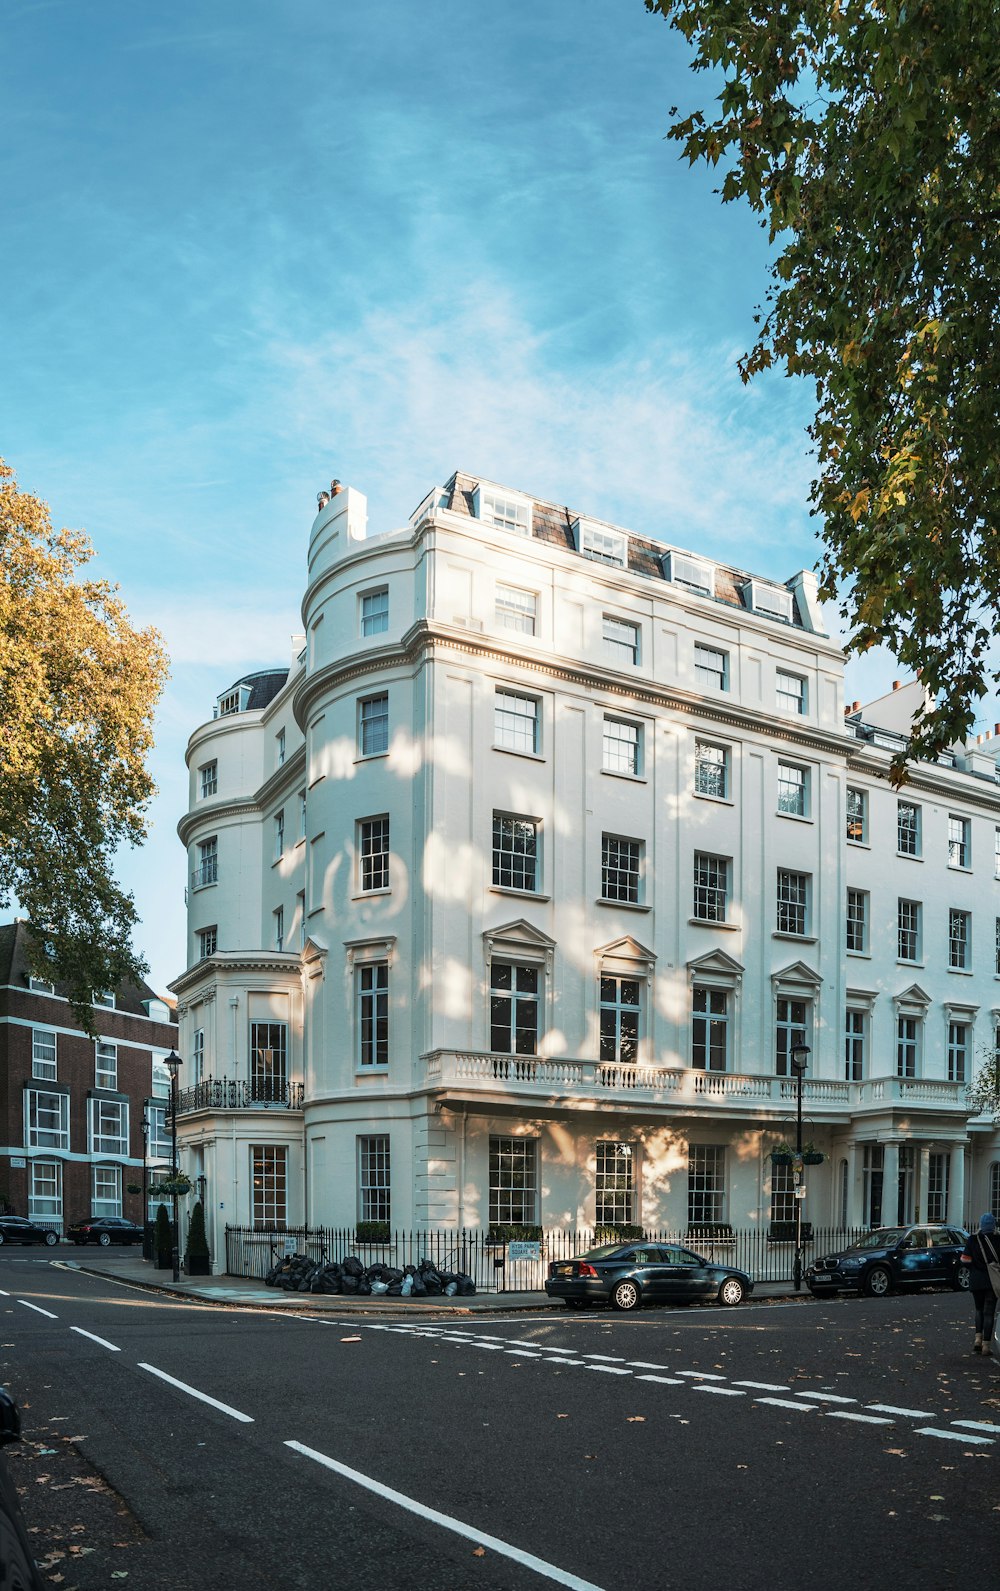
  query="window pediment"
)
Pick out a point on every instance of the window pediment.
point(521, 940)
point(912, 997)
point(715, 966)
point(375, 949)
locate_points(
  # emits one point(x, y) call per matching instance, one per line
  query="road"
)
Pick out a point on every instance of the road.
point(188, 1445)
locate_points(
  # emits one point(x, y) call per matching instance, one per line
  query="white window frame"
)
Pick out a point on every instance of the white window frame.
point(207, 870)
point(621, 747)
point(279, 834)
point(959, 1050)
point(374, 1177)
point(54, 1133)
point(857, 919)
point(794, 903)
point(707, 1203)
point(791, 693)
point(694, 574)
point(718, 757)
point(711, 1018)
point(516, 609)
point(374, 849)
point(159, 1141)
point(373, 612)
point(910, 832)
point(615, 633)
point(279, 749)
point(106, 1064)
point(623, 867)
point(614, 1183)
point(959, 940)
point(909, 1028)
point(513, 1187)
point(45, 1192)
point(269, 1187)
point(503, 510)
point(857, 819)
point(517, 721)
point(602, 543)
point(106, 1188)
point(371, 985)
point(208, 941)
point(518, 1000)
point(788, 1024)
point(711, 666)
point(279, 927)
point(909, 923)
point(959, 842)
point(45, 1054)
point(197, 1055)
point(855, 1044)
point(373, 725)
point(713, 877)
point(618, 1046)
point(512, 861)
point(774, 602)
point(793, 790)
point(209, 778)
point(103, 1138)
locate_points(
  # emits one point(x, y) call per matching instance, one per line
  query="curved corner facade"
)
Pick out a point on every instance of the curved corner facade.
point(511, 900)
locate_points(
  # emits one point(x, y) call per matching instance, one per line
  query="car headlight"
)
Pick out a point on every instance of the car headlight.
point(850, 1265)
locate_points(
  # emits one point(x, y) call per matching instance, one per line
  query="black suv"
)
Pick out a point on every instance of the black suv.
point(894, 1256)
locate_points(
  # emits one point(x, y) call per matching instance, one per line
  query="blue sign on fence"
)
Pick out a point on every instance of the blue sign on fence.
point(524, 1251)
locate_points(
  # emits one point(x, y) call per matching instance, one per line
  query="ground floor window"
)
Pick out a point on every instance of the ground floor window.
point(873, 1157)
point(706, 1184)
point(513, 1181)
point(45, 1190)
point(373, 1178)
point(995, 1189)
point(938, 1172)
point(269, 1180)
point(782, 1195)
point(106, 1193)
point(615, 1184)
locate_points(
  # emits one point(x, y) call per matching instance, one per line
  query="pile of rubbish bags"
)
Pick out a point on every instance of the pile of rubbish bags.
point(299, 1274)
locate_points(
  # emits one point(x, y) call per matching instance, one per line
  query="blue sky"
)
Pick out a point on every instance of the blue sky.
point(252, 244)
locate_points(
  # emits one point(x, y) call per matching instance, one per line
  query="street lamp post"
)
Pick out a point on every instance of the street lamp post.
point(173, 1065)
point(147, 1246)
point(800, 1059)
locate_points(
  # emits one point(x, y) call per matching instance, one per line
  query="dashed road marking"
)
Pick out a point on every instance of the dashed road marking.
point(862, 1419)
point(978, 1425)
point(910, 1414)
point(762, 1386)
point(786, 1403)
point(955, 1436)
point(701, 1375)
point(37, 1308)
point(721, 1392)
point(610, 1370)
point(203, 1397)
point(664, 1381)
point(102, 1340)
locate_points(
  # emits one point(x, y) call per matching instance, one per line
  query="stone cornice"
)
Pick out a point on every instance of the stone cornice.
point(427, 639)
point(228, 961)
point(207, 815)
point(929, 778)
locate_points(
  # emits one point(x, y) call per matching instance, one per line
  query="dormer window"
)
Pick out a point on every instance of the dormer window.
point(773, 601)
point(504, 510)
point(601, 543)
point(234, 701)
point(105, 999)
point(695, 574)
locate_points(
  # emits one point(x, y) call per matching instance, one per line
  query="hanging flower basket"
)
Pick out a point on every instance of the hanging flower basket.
point(781, 1157)
point(170, 1186)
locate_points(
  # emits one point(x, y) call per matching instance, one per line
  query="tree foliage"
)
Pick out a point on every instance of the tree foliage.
point(866, 134)
point(78, 686)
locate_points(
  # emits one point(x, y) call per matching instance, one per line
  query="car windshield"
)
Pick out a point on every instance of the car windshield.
point(885, 1238)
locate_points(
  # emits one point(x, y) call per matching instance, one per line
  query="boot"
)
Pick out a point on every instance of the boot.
point(977, 1346)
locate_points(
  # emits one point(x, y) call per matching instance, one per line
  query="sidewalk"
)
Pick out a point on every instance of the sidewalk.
point(127, 1266)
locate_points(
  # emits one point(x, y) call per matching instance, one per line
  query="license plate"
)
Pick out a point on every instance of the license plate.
point(564, 1270)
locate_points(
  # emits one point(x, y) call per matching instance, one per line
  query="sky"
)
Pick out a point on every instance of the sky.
point(249, 245)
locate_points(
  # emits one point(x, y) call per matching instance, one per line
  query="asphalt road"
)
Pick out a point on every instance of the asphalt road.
point(855, 1439)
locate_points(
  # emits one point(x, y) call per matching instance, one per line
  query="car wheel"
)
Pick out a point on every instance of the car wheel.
point(877, 1282)
point(626, 1296)
point(105, 1239)
point(2, 1238)
point(960, 1278)
point(51, 1238)
point(731, 1292)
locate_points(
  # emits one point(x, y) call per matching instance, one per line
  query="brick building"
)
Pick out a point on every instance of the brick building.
point(75, 1111)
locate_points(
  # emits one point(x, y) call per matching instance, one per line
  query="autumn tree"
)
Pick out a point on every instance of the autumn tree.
point(866, 135)
point(78, 686)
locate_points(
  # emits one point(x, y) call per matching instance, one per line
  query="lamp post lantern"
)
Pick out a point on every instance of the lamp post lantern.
point(800, 1060)
point(173, 1064)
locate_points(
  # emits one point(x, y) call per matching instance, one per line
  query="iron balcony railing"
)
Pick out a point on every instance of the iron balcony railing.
point(235, 1093)
point(207, 872)
point(766, 1253)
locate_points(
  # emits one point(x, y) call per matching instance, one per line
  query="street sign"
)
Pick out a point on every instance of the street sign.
point(524, 1251)
point(289, 1247)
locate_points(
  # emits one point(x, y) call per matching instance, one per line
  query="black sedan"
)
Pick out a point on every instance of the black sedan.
point(16, 1229)
point(893, 1256)
point(104, 1229)
point(628, 1275)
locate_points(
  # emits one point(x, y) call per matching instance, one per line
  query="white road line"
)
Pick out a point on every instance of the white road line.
point(3, 1294)
point(826, 1397)
point(955, 1436)
point(762, 1386)
point(568, 1362)
point(722, 1392)
point(491, 1347)
point(786, 1403)
point(202, 1397)
point(102, 1340)
point(701, 1375)
point(913, 1414)
point(665, 1381)
point(863, 1419)
point(609, 1358)
point(521, 1353)
point(609, 1370)
point(37, 1308)
point(978, 1425)
point(643, 1364)
point(549, 1570)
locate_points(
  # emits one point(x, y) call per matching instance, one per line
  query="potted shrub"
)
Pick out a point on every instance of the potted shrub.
point(163, 1240)
point(197, 1261)
point(371, 1232)
point(619, 1234)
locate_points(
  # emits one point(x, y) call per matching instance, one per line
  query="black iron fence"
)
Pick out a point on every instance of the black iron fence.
point(767, 1254)
point(233, 1093)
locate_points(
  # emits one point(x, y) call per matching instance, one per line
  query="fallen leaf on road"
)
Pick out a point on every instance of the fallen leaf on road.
point(350, 1339)
point(479, 1552)
point(635, 1419)
point(897, 1452)
point(590, 1455)
point(562, 1416)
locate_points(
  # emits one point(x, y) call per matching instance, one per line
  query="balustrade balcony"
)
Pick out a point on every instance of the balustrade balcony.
point(678, 1088)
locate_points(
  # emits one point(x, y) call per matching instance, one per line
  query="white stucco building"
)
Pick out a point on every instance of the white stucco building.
point(508, 899)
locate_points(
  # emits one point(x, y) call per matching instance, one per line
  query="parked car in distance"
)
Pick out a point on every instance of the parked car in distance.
point(18, 1571)
point(104, 1229)
point(628, 1275)
point(17, 1229)
point(923, 1255)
